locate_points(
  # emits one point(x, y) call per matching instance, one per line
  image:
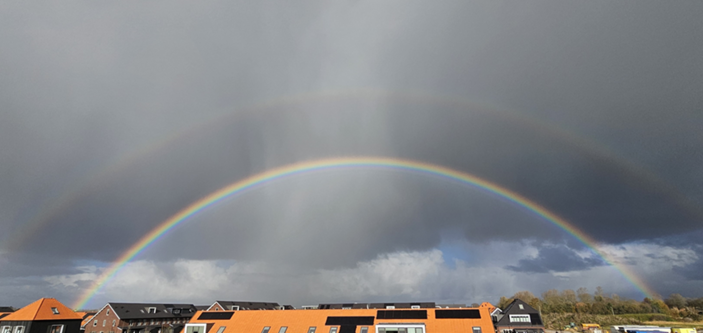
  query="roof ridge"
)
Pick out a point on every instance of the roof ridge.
point(36, 313)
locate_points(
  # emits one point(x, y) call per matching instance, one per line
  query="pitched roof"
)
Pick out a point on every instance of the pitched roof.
point(141, 310)
point(520, 307)
point(244, 305)
point(43, 309)
point(252, 321)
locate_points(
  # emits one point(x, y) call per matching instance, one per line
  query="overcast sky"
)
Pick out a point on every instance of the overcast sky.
point(116, 115)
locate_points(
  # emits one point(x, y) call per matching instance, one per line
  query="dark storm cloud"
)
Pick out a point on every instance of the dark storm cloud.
point(556, 259)
point(85, 86)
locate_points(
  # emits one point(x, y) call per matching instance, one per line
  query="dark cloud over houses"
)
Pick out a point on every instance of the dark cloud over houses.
point(116, 117)
point(557, 259)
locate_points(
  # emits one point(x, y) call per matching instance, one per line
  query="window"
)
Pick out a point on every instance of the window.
point(415, 306)
point(311, 329)
point(520, 306)
point(151, 310)
point(104, 322)
point(476, 329)
point(364, 329)
point(333, 329)
point(95, 323)
point(265, 329)
point(399, 328)
point(195, 328)
point(519, 318)
point(221, 329)
point(113, 323)
point(107, 312)
point(6, 329)
point(235, 307)
point(390, 307)
point(56, 328)
point(55, 310)
point(283, 329)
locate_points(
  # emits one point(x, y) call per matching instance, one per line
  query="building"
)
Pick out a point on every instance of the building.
point(46, 315)
point(427, 320)
point(237, 305)
point(347, 306)
point(518, 317)
point(140, 318)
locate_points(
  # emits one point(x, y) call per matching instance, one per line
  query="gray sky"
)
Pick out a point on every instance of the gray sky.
point(113, 117)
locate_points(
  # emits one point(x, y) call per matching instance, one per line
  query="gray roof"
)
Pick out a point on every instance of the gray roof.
point(152, 310)
point(244, 305)
point(422, 305)
point(515, 308)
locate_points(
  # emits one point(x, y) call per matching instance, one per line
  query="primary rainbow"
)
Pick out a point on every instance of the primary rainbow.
point(348, 162)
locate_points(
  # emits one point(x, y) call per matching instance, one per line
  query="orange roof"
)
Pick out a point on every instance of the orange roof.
point(489, 306)
point(252, 321)
point(42, 309)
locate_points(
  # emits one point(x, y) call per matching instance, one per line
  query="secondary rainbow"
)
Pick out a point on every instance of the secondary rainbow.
point(348, 162)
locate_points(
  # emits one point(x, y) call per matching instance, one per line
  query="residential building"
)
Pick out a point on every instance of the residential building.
point(518, 317)
point(46, 315)
point(239, 305)
point(425, 320)
point(390, 306)
point(140, 318)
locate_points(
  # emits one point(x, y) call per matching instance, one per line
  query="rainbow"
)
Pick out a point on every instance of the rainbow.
point(347, 162)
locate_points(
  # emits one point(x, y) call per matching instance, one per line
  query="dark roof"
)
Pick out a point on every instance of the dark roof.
point(249, 305)
point(515, 308)
point(158, 310)
point(6, 309)
point(422, 305)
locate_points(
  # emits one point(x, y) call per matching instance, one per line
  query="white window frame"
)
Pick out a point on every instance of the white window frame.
point(520, 306)
point(415, 306)
point(514, 318)
point(6, 329)
point(234, 307)
point(312, 329)
point(149, 310)
point(390, 307)
point(55, 310)
point(95, 322)
point(61, 330)
point(283, 329)
point(185, 328)
point(107, 312)
point(222, 329)
point(476, 329)
point(333, 329)
point(397, 326)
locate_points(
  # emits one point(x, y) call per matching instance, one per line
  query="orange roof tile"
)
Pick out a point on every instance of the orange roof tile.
point(252, 321)
point(42, 309)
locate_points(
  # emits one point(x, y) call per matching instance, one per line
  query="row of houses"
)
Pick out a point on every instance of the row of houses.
point(48, 315)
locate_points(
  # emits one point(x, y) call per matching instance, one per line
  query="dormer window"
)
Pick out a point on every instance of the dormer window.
point(55, 310)
point(235, 307)
point(520, 306)
point(151, 310)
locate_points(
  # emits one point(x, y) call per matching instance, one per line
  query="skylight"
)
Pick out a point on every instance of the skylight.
point(55, 310)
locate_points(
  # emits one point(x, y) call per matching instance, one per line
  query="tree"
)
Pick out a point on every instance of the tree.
point(599, 294)
point(504, 302)
point(584, 295)
point(676, 301)
point(695, 303)
point(525, 296)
